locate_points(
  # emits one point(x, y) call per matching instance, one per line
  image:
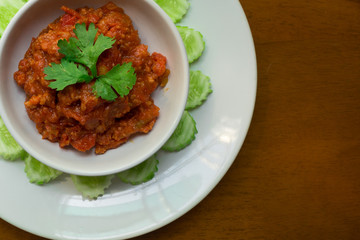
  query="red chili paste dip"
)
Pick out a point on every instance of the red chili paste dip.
point(75, 116)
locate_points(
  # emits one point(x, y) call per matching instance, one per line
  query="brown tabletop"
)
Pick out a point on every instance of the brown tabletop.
point(297, 175)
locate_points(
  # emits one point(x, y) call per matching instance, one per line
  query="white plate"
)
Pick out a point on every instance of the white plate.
point(57, 210)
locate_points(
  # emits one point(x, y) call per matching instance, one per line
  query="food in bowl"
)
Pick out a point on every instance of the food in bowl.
point(76, 116)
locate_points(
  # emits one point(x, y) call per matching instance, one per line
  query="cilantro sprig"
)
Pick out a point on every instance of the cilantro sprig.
point(121, 78)
point(79, 65)
point(66, 73)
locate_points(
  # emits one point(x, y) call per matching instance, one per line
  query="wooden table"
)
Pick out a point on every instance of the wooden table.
point(297, 175)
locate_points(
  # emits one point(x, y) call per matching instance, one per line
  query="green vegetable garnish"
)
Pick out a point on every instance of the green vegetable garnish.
point(85, 49)
point(9, 148)
point(92, 187)
point(193, 41)
point(66, 73)
point(121, 78)
point(82, 52)
point(141, 173)
point(38, 172)
point(8, 8)
point(199, 89)
point(183, 135)
point(175, 9)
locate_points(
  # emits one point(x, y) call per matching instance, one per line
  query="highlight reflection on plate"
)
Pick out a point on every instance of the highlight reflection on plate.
point(58, 211)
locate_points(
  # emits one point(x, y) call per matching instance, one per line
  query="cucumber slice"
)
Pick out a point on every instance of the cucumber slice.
point(8, 9)
point(141, 173)
point(38, 172)
point(9, 149)
point(92, 187)
point(176, 9)
point(193, 42)
point(199, 89)
point(183, 135)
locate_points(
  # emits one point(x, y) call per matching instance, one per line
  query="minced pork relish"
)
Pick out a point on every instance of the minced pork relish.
point(75, 116)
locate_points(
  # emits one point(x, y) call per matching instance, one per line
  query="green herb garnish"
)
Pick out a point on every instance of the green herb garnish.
point(66, 73)
point(121, 78)
point(80, 55)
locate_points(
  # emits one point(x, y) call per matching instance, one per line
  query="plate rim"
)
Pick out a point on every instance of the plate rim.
point(215, 181)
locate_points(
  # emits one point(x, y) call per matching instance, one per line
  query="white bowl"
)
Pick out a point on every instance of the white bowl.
point(155, 29)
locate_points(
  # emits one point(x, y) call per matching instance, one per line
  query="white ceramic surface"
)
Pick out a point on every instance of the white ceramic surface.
point(57, 211)
point(155, 29)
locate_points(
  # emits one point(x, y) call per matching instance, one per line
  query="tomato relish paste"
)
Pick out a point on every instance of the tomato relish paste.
point(74, 116)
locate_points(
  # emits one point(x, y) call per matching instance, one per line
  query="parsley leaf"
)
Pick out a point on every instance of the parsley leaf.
point(66, 73)
point(121, 78)
point(85, 49)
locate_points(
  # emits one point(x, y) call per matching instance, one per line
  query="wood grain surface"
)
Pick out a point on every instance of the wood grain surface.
point(297, 175)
